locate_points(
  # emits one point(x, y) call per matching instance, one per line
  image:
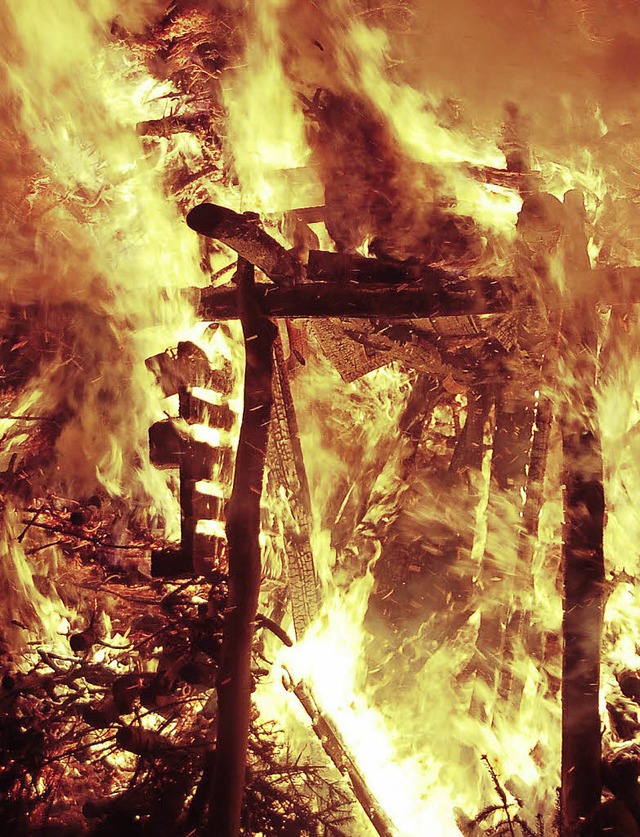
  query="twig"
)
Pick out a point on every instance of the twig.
point(95, 541)
point(501, 793)
point(29, 524)
point(35, 549)
point(263, 621)
point(28, 418)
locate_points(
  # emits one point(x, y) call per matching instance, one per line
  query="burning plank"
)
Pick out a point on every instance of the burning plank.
point(327, 299)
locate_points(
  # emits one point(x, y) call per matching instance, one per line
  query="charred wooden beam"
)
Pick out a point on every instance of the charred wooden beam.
point(583, 553)
point(244, 235)
point(327, 299)
point(243, 529)
point(348, 285)
point(309, 214)
point(511, 688)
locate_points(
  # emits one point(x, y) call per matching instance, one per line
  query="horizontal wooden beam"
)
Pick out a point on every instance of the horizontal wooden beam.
point(328, 299)
point(446, 296)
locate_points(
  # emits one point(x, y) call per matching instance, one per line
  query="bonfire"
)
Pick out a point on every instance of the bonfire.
point(319, 407)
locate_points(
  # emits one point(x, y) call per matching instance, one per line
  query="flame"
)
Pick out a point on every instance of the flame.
point(266, 127)
point(92, 235)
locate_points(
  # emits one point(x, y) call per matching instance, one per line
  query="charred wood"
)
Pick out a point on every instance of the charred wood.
point(335, 747)
point(349, 357)
point(454, 298)
point(501, 574)
point(187, 365)
point(583, 556)
point(243, 528)
point(444, 294)
point(510, 687)
point(244, 235)
point(174, 124)
point(469, 448)
point(286, 459)
point(263, 621)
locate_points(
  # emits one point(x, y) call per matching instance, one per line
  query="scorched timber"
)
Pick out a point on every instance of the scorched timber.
point(583, 550)
point(328, 299)
point(243, 529)
point(452, 296)
point(246, 237)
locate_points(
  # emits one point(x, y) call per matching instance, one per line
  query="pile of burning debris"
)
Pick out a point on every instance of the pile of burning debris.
point(130, 653)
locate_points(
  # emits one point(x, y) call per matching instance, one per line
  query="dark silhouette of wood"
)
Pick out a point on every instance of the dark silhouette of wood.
point(243, 528)
point(583, 556)
point(328, 299)
point(445, 295)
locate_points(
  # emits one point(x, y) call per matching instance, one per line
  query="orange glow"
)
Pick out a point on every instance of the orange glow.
point(94, 230)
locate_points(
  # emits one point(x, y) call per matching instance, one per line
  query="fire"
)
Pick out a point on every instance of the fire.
point(435, 655)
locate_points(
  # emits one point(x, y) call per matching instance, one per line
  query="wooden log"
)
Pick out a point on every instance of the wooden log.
point(324, 266)
point(511, 688)
point(335, 747)
point(243, 529)
point(326, 299)
point(247, 238)
point(400, 295)
point(583, 554)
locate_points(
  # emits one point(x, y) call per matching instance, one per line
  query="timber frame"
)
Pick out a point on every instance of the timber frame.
point(352, 286)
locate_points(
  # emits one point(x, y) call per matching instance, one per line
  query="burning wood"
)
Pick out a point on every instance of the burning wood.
point(286, 454)
point(337, 751)
point(583, 555)
point(247, 238)
point(243, 529)
point(326, 299)
point(442, 397)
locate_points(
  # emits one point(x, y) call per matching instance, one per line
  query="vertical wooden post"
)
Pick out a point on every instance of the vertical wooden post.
point(243, 529)
point(583, 557)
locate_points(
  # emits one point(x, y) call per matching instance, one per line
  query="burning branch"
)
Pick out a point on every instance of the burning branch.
point(243, 529)
point(336, 749)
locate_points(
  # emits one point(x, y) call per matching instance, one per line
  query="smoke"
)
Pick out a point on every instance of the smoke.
point(560, 62)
